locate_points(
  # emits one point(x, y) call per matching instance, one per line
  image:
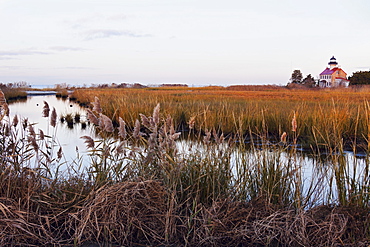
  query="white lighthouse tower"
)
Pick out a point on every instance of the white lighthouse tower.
point(333, 63)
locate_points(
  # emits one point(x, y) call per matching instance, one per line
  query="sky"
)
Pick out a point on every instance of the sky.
point(195, 42)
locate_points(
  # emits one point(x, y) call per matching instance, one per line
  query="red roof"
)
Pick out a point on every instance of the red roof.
point(341, 78)
point(328, 71)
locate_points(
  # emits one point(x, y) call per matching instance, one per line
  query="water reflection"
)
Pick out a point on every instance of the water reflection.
point(68, 137)
point(319, 171)
point(316, 173)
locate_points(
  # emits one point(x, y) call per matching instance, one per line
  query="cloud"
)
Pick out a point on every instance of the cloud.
point(13, 54)
point(118, 17)
point(94, 20)
point(23, 52)
point(66, 48)
point(5, 57)
point(107, 33)
point(10, 67)
point(78, 68)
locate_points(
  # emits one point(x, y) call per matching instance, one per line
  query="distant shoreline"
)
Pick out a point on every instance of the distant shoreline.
point(37, 93)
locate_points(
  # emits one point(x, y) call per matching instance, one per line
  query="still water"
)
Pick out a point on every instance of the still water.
point(68, 137)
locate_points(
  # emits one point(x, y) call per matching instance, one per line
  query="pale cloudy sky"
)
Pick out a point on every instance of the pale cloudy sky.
point(197, 42)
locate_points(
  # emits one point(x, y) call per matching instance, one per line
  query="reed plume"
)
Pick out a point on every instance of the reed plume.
point(294, 123)
point(191, 122)
point(33, 142)
point(25, 123)
point(153, 194)
point(45, 109)
point(105, 123)
point(5, 111)
point(53, 120)
point(3, 104)
point(15, 121)
point(120, 148)
point(144, 120)
point(122, 129)
point(283, 137)
point(169, 124)
point(88, 141)
point(41, 134)
point(96, 105)
point(136, 132)
point(6, 129)
point(92, 118)
point(2, 98)
point(218, 139)
point(60, 153)
point(207, 137)
point(31, 130)
point(156, 114)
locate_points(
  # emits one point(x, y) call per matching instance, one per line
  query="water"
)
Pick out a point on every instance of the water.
point(68, 138)
point(38, 87)
point(315, 169)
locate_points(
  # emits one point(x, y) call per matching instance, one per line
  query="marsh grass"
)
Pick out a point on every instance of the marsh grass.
point(142, 188)
point(241, 110)
point(72, 119)
point(12, 94)
point(62, 94)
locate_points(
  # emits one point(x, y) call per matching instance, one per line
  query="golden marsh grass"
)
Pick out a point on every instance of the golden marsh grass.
point(140, 190)
point(324, 116)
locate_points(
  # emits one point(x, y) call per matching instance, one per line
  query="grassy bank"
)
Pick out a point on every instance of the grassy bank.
point(62, 93)
point(324, 116)
point(14, 93)
point(141, 188)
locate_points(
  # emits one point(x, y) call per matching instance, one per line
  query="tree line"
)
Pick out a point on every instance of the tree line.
point(358, 78)
point(297, 78)
point(19, 84)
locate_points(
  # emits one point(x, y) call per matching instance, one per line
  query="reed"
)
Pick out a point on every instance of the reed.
point(70, 119)
point(14, 93)
point(144, 185)
point(230, 110)
point(63, 93)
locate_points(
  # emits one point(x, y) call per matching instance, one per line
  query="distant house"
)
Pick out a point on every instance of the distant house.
point(333, 76)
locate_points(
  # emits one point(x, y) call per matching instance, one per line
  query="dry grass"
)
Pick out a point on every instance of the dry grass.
point(127, 213)
point(138, 213)
point(323, 116)
point(139, 190)
point(14, 93)
point(32, 214)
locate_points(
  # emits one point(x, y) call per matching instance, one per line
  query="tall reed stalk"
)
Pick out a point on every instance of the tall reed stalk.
point(147, 183)
point(216, 108)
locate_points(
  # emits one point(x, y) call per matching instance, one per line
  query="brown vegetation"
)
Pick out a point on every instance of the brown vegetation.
point(143, 213)
point(324, 116)
point(140, 190)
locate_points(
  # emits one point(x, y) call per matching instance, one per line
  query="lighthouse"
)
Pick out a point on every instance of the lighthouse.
point(333, 63)
point(333, 76)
